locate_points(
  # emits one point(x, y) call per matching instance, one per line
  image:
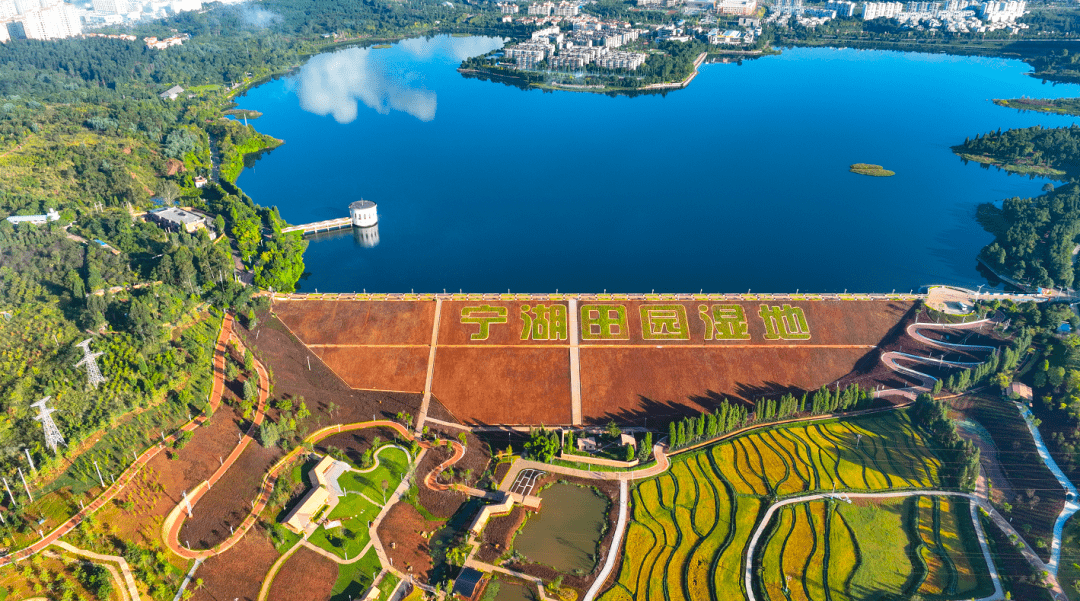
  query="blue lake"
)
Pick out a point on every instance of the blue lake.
point(738, 182)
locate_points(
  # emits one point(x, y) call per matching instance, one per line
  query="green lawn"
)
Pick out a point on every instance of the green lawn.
point(393, 463)
point(354, 511)
point(355, 578)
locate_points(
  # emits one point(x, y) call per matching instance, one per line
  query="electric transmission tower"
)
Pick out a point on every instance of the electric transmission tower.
point(53, 437)
point(93, 374)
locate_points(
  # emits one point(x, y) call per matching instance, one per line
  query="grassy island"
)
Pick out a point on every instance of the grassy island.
point(872, 170)
point(1056, 106)
point(242, 113)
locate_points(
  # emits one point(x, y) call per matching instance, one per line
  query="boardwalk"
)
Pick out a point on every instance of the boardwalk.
point(320, 226)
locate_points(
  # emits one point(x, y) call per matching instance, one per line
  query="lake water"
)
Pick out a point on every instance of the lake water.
point(738, 182)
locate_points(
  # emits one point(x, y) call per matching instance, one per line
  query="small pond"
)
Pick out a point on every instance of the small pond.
point(565, 532)
point(514, 591)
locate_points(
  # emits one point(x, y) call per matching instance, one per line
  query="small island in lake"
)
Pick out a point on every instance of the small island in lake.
point(874, 170)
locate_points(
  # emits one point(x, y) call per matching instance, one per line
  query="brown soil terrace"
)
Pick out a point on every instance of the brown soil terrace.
point(381, 345)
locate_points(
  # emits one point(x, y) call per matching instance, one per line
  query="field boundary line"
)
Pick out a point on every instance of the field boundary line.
point(426, 402)
point(575, 365)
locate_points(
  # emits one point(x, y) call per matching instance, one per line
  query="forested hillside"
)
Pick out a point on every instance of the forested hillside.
point(1034, 149)
point(84, 131)
point(1034, 237)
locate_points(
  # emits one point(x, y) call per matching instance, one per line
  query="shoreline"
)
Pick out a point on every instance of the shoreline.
point(520, 80)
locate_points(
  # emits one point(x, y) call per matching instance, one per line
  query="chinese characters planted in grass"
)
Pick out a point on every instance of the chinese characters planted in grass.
point(657, 322)
point(724, 322)
point(483, 316)
point(604, 322)
point(543, 323)
point(784, 323)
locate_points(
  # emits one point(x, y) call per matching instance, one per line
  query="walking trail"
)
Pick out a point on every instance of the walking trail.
point(129, 474)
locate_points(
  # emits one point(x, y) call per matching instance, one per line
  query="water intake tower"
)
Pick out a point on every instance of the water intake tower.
point(363, 213)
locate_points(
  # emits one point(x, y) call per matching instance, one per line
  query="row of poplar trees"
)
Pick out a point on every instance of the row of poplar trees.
point(729, 417)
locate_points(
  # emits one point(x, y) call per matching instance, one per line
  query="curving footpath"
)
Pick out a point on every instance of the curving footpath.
point(171, 526)
point(129, 474)
point(1071, 505)
point(268, 580)
point(926, 381)
point(748, 572)
point(175, 520)
point(616, 542)
point(431, 479)
point(127, 583)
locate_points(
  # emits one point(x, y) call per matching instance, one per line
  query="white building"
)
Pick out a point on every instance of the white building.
point(528, 55)
point(729, 37)
point(508, 8)
point(618, 59)
point(1002, 12)
point(34, 20)
point(878, 10)
point(50, 215)
point(744, 8)
point(112, 7)
point(541, 9)
point(842, 8)
point(567, 9)
point(172, 93)
point(363, 213)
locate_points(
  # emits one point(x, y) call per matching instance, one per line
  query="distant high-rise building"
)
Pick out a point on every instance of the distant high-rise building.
point(1000, 12)
point(112, 7)
point(793, 7)
point(744, 8)
point(51, 20)
point(842, 8)
point(4, 35)
point(878, 10)
point(26, 6)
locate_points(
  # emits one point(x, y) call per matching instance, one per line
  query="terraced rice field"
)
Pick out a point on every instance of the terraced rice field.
point(887, 548)
point(690, 526)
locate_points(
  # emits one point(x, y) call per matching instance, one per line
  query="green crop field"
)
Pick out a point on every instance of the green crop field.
point(862, 551)
point(690, 527)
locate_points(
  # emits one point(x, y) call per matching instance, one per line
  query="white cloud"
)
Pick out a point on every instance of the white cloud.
point(334, 84)
point(258, 17)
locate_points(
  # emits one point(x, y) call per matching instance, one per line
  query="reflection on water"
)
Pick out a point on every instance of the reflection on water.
point(365, 237)
point(336, 82)
point(368, 237)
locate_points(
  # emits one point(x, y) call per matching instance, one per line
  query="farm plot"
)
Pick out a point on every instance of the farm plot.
point(691, 526)
point(892, 547)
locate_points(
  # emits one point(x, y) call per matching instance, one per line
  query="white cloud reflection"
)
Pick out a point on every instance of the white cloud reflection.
point(456, 48)
point(336, 82)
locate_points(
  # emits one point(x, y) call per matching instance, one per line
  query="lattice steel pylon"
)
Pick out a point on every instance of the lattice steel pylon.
point(53, 437)
point(93, 374)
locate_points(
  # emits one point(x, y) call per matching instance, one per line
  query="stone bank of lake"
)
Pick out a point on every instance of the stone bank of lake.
point(739, 181)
